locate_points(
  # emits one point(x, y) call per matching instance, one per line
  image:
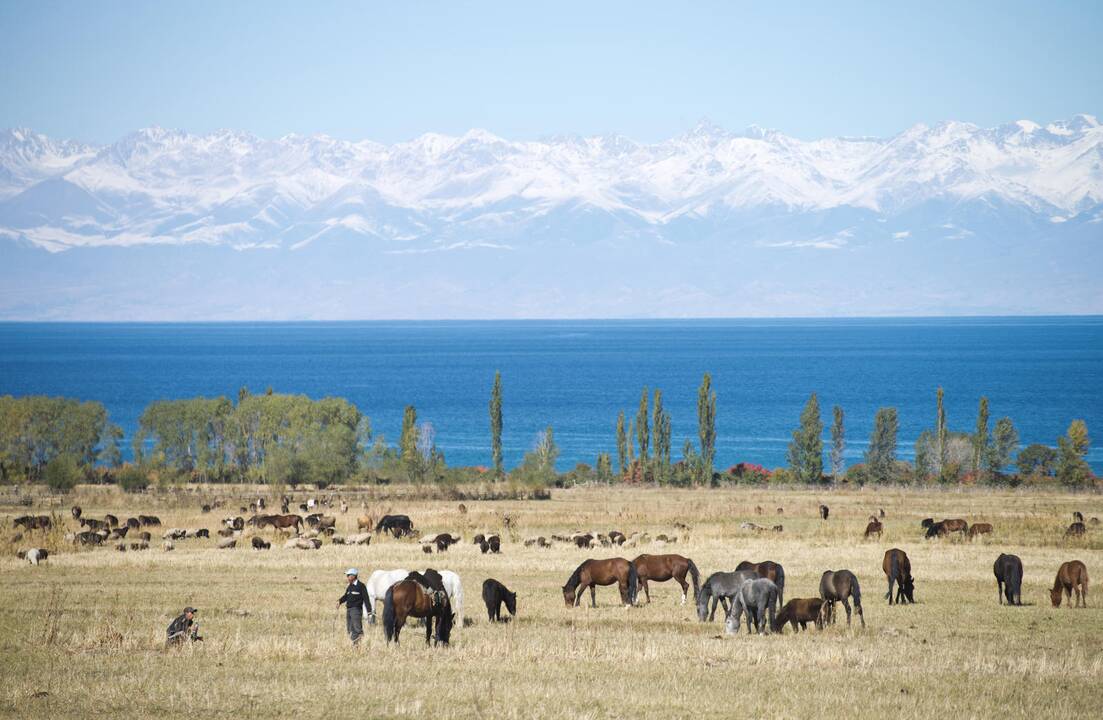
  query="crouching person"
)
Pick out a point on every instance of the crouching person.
point(184, 628)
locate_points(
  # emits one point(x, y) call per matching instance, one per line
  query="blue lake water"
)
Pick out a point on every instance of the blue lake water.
point(577, 375)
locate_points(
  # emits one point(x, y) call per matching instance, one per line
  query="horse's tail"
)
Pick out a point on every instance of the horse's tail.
point(388, 613)
point(694, 575)
point(856, 591)
point(1013, 584)
point(894, 574)
point(633, 583)
point(780, 585)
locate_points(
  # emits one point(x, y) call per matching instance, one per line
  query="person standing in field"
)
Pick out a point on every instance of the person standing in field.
point(184, 627)
point(354, 598)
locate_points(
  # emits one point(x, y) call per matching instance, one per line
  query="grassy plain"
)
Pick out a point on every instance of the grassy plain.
point(82, 636)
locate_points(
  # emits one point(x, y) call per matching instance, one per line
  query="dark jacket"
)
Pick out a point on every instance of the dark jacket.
point(356, 595)
point(179, 626)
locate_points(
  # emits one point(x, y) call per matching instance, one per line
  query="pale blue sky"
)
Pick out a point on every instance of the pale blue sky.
point(96, 70)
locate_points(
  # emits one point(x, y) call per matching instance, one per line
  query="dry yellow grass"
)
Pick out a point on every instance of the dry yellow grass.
point(88, 627)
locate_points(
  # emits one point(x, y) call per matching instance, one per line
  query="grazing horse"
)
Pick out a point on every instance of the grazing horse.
point(378, 584)
point(898, 569)
point(770, 570)
point(283, 522)
point(798, 613)
point(454, 588)
point(1008, 570)
point(413, 598)
point(935, 529)
point(1077, 529)
point(661, 568)
point(756, 599)
point(1071, 576)
point(980, 529)
point(954, 525)
point(494, 594)
point(824, 512)
point(592, 573)
point(837, 586)
point(720, 587)
point(874, 528)
point(398, 525)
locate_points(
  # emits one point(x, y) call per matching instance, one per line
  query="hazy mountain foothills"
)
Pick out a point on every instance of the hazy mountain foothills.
point(946, 219)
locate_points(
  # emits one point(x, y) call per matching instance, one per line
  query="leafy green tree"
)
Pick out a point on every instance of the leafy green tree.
point(62, 473)
point(132, 479)
point(1037, 459)
point(1072, 469)
point(643, 432)
point(838, 443)
point(36, 429)
point(806, 447)
point(706, 428)
point(1005, 441)
point(881, 455)
point(407, 441)
point(925, 456)
point(189, 436)
point(942, 433)
point(538, 465)
point(661, 431)
point(496, 426)
point(604, 468)
point(110, 453)
point(622, 444)
point(980, 437)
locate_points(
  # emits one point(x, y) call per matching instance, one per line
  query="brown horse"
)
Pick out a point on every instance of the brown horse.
point(837, 586)
point(602, 572)
point(980, 529)
point(954, 525)
point(1077, 529)
point(411, 598)
point(874, 528)
point(1072, 575)
point(661, 568)
point(771, 571)
point(799, 613)
point(898, 569)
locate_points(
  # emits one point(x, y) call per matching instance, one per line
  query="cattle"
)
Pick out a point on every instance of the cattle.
point(260, 543)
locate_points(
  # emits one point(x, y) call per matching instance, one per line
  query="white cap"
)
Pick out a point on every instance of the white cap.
point(352, 571)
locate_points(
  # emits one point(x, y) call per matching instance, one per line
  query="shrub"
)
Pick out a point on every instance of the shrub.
point(132, 479)
point(62, 473)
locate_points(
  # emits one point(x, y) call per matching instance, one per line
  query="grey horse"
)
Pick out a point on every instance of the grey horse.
point(720, 587)
point(756, 599)
point(838, 585)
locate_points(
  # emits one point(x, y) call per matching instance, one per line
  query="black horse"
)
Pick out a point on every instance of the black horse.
point(494, 594)
point(398, 525)
point(1008, 570)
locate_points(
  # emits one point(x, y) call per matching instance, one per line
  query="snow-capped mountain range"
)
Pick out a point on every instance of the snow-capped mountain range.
point(697, 206)
point(232, 188)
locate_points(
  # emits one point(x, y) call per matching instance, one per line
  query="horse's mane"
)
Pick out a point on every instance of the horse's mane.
point(576, 577)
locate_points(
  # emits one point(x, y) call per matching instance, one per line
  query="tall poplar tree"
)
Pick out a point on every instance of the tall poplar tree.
point(980, 436)
point(706, 427)
point(643, 432)
point(806, 447)
point(881, 456)
point(622, 444)
point(942, 438)
point(838, 443)
point(496, 425)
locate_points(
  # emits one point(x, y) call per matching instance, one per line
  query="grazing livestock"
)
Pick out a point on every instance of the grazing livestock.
point(133, 523)
point(798, 613)
point(770, 570)
point(145, 537)
point(174, 534)
point(494, 594)
point(720, 587)
point(227, 544)
point(1071, 576)
point(147, 520)
point(592, 573)
point(583, 542)
point(110, 520)
point(824, 512)
point(410, 598)
point(1077, 529)
point(119, 533)
point(898, 570)
point(260, 543)
point(139, 546)
point(397, 525)
point(1077, 516)
point(33, 522)
point(452, 585)
point(88, 538)
point(1008, 570)
point(539, 541)
point(661, 568)
point(284, 522)
point(926, 524)
point(757, 599)
point(874, 528)
point(979, 529)
point(203, 533)
point(76, 511)
point(92, 523)
point(616, 537)
point(479, 539)
point(495, 544)
point(378, 584)
point(34, 556)
point(838, 586)
point(955, 525)
point(363, 538)
point(226, 532)
point(935, 529)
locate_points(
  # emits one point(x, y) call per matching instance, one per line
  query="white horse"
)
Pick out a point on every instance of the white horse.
point(454, 589)
point(378, 584)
